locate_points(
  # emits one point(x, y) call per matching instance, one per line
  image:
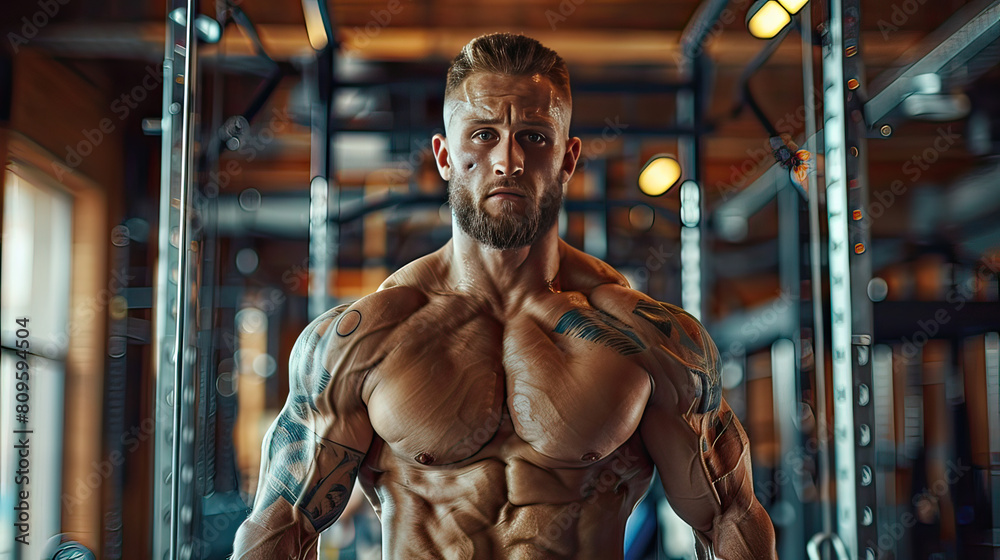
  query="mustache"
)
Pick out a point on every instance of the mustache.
point(506, 183)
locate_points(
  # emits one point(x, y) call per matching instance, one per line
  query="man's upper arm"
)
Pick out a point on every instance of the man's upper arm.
point(313, 450)
point(698, 445)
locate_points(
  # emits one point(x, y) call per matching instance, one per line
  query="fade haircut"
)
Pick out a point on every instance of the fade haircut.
point(510, 55)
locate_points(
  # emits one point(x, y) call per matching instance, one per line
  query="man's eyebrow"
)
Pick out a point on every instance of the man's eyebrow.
point(529, 122)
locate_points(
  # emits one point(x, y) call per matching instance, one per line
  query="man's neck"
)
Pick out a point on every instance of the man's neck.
point(505, 277)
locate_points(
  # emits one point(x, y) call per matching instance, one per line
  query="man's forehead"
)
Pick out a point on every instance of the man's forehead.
point(487, 95)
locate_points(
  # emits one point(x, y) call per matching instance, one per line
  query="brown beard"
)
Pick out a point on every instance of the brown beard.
point(510, 230)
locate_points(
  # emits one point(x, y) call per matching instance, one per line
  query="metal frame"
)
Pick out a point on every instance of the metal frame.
point(175, 349)
point(969, 39)
point(835, 129)
point(859, 240)
point(992, 350)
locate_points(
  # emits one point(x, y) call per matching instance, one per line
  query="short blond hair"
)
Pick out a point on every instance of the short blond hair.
point(510, 55)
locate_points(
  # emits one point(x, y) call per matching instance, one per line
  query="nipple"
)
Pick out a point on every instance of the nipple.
point(591, 457)
point(424, 458)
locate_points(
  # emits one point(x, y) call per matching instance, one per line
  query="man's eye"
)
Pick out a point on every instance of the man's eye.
point(535, 138)
point(484, 135)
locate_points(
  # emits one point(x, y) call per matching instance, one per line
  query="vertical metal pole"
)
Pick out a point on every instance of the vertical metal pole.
point(850, 271)
point(859, 240)
point(183, 391)
point(791, 541)
point(688, 154)
point(884, 435)
point(324, 200)
point(175, 393)
point(835, 129)
point(816, 276)
point(164, 319)
point(115, 393)
point(993, 413)
point(786, 392)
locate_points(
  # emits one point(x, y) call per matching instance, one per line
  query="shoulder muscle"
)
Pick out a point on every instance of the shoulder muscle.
point(680, 347)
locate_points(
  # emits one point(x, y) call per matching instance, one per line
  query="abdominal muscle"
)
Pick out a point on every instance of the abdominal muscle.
point(505, 502)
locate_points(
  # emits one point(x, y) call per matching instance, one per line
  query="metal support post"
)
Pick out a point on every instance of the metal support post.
point(785, 377)
point(859, 241)
point(689, 104)
point(850, 270)
point(174, 346)
point(324, 195)
point(993, 414)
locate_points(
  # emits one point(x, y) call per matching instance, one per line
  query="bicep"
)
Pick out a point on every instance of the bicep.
point(311, 452)
point(313, 474)
point(305, 483)
point(704, 463)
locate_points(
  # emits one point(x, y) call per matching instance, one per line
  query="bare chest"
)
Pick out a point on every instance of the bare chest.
point(560, 385)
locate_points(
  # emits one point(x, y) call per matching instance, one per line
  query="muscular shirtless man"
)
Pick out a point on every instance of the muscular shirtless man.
point(506, 396)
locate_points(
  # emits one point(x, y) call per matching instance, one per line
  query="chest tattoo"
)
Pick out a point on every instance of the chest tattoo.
point(602, 328)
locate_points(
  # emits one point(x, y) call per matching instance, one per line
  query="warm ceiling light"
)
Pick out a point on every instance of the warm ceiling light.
point(766, 18)
point(659, 174)
point(793, 6)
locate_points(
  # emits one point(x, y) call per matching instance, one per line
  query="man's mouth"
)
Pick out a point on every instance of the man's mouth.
point(506, 192)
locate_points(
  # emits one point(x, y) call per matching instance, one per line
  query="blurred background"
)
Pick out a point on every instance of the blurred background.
point(824, 198)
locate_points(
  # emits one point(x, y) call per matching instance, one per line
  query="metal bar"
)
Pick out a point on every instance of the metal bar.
point(980, 29)
point(696, 31)
point(164, 321)
point(320, 256)
point(992, 347)
point(115, 394)
point(859, 239)
point(791, 540)
point(730, 217)
point(816, 274)
point(689, 105)
point(785, 388)
point(835, 130)
point(181, 365)
point(884, 437)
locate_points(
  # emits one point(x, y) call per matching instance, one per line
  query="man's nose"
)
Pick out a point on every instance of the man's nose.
point(508, 158)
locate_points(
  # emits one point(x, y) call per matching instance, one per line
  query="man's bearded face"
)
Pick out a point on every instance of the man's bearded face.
point(508, 157)
point(508, 224)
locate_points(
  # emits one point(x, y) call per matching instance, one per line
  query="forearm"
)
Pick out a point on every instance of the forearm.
point(255, 541)
point(740, 535)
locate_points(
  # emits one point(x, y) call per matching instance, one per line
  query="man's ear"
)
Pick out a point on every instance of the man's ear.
point(441, 157)
point(572, 155)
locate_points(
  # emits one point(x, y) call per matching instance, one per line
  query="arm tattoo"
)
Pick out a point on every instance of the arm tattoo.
point(600, 327)
point(711, 382)
point(312, 473)
point(662, 319)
